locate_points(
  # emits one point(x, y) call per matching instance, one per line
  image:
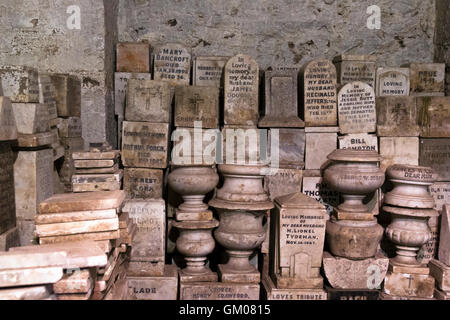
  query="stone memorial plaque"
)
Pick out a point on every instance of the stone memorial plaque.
point(441, 194)
point(358, 141)
point(318, 147)
point(427, 79)
point(356, 108)
point(49, 218)
point(435, 153)
point(99, 163)
point(320, 97)
point(195, 146)
point(351, 68)
point(172, 63)
point(283, 182)
point(7, 203)
point(33, 180)
point(149, 241)
point(145, 144)
point(241, 84)
point(120, 89)
point(444, 250)
point(273, 293)
point(31, 118)
point(96, 155)
point(290, 147)
point(441, 272)
point(67, 95)
point(20, 83)
point(97, 182)
point(208, 71)
point(104, 235)
point(143, 183)
point(132, 57)
point(281, 102)
point(148, 100)
point(154, 288)
point(298, 227)
point(392, 82)
point(8, 128)
point(352, 294)
point(243, 145)
point(397, 117)
point(196, 103)
point(399, 150)
point(47, 94)
point(409, 285)
point(434, 116)
point(218, 291)
point(315, 187)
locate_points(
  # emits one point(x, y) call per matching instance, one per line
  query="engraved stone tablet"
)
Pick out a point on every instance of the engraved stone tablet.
point(281, 102)
point(7, 204)
point(172, 63)
point(208, 71)
point(283, 182)
point(352, 294)
point(435, 153)
point(70, 127)
point(67, 95)
point(392, 82)
point(31, 117)
point(241, 84)
point(33, 179)
point(397, 117)
point(8, 128)
point(399, 150)
point(218, 291)
point(441, 194)
point(290, 147)
point(427, 79)
point(358, 141)
point(356, 68)
point(120, 89)
point(320, 97)
point(196, 103)
point(148, 100)
point(142, 183)
point(47, 94)
point(20, 83)
point(318, 147)
point(315, 187)
point(273, 293)
point(144, 144)
point(434, 116)
point(356, 108)
point(154, 288)
point(133, 57)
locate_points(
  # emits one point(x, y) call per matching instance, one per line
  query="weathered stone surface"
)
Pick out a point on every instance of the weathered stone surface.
point(172, 63)
point(281, 102)
point(26, 229)
point(289, 145)
point(31, 276)
point(320, 97)
point(77, 227)
point(219, 291)
point(132, 57)
point(352, 68)
point(397, 117)
point(409, 285)
point(441, 194)
point(430, 249)
point(441, 273)
point(36, 140)
point(24, 260)
point(82, 201)
point(344, 273)
point(154, 288)
point(145, 144)
point(427, 79)
point(273, 293)
point(356, 108)
point(94, 163)
point(315, 187)
point(444, 250)
point(20, 83)
point(94, 155)
point(107, 235)
point(26, 293)
point(441, 295)
point(67, 95)
point(241, 84)
point(352, 294)
point(31, 117)
point(142, 183)
point(434, 116)
point(79, 281)
point(47, 94)
point(148, 100)
point(33, 180)
point(150, 219)
point(208, 70)
point(392, 82)
point(435, 153)
point(45, 218)
point(70, 127)
point(196, 103)
point(318, 146)
point(8, 128)
point(7, 191)
point(283, 182)
point(359, 141)
point(399, 150)
point(9, 238)
point(97, 182)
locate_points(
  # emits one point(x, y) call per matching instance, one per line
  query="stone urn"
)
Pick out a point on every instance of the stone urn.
point(242, 205)
point(354, 174)
point(195, 243)
point(409, 231)
point(193, 183)
point(410, 186)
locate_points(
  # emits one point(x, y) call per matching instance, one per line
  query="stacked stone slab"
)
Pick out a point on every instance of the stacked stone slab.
point(97, 170)
point(71, 217)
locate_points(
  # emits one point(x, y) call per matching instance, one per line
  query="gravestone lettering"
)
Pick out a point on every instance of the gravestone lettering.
point(172, 63)
point(208, 71)
point(356, 68)
point(435, 153)
point(392, 82)
point(427, 79)
point(397, 117)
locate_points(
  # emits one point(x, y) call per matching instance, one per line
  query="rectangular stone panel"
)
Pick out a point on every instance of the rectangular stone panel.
point(392, 82)
point(351, 68)
point(274, 293)
point(399, 150)
point(358, 141)
point(31, 118)
point(8, 128)
point(427, 79)
point(70, 127)
point(77, 227)
point(67, 95)
point(283, 182)
point(208, 71)
point(47, 94)
point(120, 89)
point(218, 291)
point(142, 183)
point(195, 146)
point(315, 187)
point(172, 63)
point(289, 146)
point(318, 147)
point(434, 116)
point(7, 202)
point(441, 194)
point(132, 57)
point(20, 83)
point(435, 153)
point(397, 117)
point(154, 288)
